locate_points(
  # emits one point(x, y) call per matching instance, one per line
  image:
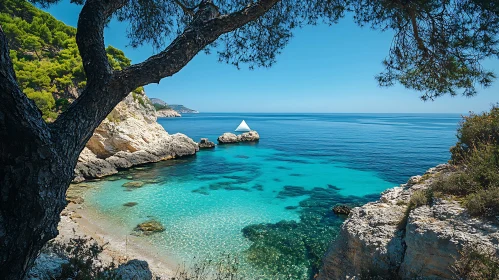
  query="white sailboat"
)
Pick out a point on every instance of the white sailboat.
point(243, 127)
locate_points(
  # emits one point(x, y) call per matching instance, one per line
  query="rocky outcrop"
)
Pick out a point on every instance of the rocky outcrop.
point(384, 239)
point(167, 113)
point(204, 143)
point(228, 138)
point(47, 266)
point(130, 136)
point(133, 270)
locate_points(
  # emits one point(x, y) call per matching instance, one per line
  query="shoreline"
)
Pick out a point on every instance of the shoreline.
point(77, 221)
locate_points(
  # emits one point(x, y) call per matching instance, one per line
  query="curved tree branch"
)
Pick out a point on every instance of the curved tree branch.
point(185, 9)
point(105, 89)
point(187, 45)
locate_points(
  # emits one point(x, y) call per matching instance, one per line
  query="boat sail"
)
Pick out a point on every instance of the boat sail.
point(243, 127)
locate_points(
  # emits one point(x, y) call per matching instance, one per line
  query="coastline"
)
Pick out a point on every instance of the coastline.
point(79, 220)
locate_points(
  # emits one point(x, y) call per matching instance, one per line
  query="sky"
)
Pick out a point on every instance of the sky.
point(324, 69)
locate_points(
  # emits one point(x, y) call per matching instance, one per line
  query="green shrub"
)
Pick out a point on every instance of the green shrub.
point(476, 155)
point(83, 263)
point(475, 130)
point(476, 262)
point(459, 184)
point(483, 203)
point(420, 198)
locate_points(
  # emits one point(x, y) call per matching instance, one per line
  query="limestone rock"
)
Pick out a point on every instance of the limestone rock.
point(133, 270)
point(228, 138)
point(204, 143)
point(167, 113)
point(251, 136)
point(379, 238)
point(130, 136)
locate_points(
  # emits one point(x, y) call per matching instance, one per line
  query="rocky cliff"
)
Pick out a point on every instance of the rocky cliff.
point(130, 136)
point(386, 240)
point(167, 113)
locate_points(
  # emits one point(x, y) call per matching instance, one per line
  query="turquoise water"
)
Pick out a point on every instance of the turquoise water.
point(303, 165)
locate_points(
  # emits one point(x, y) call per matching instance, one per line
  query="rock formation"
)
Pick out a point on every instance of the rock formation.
point(204, 143)
point(228, 138)
point(130, 136)
point(382, 238)
point(167, 113)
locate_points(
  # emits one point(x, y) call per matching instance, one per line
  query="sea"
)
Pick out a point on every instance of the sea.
point(263, 210)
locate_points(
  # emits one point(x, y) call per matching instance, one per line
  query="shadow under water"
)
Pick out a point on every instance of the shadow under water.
point(294, 250)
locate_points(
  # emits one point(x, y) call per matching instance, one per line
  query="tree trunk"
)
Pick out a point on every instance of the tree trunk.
point(34, 175)
point(33, 183)
point(37, 160)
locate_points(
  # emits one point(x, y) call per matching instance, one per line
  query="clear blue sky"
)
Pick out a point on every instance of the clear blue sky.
point(323, 69)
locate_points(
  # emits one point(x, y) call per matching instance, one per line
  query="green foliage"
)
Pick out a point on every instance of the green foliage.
point(137, 97)
point(45, 102)
point(438, 46)
point(483, 203)
point(476, 153)
point(161, 107)
point(476, 130)
point(46, 57)
point(117, 58)
point(83, 262)
point(419, 198)
point(476, 262)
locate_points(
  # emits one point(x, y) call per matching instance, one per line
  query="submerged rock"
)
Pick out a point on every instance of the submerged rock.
point(204, 143)
point(130, 204)
point(150, 227)
point(342, 209)
point(133, 184)
point(228, 138)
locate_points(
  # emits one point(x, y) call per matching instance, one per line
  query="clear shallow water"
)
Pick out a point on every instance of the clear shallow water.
point(302, 166)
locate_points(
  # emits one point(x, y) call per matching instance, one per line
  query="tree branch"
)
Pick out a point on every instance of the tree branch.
point(105, 89)
point(76, 125)
point(187, 45)
point(188, 11)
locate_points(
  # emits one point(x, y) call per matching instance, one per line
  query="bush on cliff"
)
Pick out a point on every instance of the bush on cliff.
point(476, 155)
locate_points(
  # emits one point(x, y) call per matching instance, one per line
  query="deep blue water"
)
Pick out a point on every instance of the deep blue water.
point(395, 146)
point(232, 198)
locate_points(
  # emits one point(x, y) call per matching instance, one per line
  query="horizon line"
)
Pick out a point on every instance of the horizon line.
point(212, 112)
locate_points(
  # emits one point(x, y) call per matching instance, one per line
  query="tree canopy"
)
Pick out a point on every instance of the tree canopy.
point(438, 47)
point(46, 58)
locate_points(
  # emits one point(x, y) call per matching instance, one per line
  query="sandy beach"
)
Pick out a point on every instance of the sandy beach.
point(77, 221)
